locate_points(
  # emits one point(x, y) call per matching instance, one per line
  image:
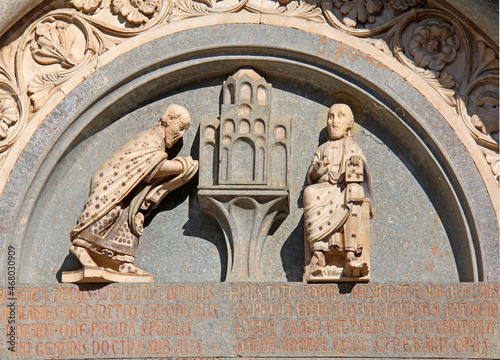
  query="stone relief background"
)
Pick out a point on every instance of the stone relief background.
point(182, 244)
point(62, 43)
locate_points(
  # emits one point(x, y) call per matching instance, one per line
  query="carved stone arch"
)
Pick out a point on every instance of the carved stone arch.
point(243, 149)
point(323, 59)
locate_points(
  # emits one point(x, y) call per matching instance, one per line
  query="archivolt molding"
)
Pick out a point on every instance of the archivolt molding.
point(64, 45)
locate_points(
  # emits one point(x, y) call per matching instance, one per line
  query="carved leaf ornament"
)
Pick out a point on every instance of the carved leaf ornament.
point(41, 87)
point(488, 59)
point(485, 116)
point(304, 9)
point(11, 112)
point(359, 10)
point(136, 12)
point(8, 115)
point(480, 113)
point(494, 161)
point(53, 43)
point(433, 40)
point(87, 6)
point(403, 5)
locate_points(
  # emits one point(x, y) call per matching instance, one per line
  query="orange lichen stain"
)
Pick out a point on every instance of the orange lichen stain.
point(354, 55)
point(434, 249)
point(338, 52)
point(429, 267)
point(323, 40)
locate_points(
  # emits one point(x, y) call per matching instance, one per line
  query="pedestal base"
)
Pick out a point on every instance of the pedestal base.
point(245, 216)
point(332, 274)
point(102, 275)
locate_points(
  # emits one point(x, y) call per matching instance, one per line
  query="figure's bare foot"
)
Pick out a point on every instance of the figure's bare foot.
point(355, 268)
point(316, 270)
point(318, 262)
point(83, 256)
point(129, 268)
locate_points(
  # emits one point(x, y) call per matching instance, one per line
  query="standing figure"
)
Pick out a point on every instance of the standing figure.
point(338, 205)
point(123, 190)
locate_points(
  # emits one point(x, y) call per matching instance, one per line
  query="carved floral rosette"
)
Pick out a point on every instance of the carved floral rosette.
point(434, 49)
point(64, 44)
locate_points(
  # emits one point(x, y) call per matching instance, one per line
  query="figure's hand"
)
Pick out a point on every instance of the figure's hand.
point(190, 160)
point(193, 165)
point(355, 160)
point(333, 177)
point(320, 168)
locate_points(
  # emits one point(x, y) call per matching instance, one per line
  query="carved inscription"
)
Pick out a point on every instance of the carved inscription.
point(380, 320)
point(131, 321)
point(203, 321)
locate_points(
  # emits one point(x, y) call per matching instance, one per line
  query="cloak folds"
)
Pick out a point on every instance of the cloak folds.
point(120, 174)
point(123, 191)
point(326, 203)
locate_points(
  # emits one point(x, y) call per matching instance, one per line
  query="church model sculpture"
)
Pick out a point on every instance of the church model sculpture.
point(244, 165)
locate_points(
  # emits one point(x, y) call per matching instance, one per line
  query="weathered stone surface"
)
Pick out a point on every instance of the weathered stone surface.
point(195, 252)
point(90, 123)
point(264, 320)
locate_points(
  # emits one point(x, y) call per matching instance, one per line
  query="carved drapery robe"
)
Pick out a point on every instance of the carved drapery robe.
point(122, 191)
point(330, 202)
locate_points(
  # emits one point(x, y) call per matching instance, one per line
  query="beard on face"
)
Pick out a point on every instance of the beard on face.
point(337, 132)
point(172, 139)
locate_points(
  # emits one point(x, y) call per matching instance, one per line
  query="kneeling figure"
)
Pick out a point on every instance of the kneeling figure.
point(123, 190)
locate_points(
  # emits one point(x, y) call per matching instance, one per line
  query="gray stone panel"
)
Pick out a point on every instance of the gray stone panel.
point(424, 188)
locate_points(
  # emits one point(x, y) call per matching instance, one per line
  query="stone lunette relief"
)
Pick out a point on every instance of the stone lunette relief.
point(338, 205)
point(123, 190)
point(63, 46)
point(245, 156)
